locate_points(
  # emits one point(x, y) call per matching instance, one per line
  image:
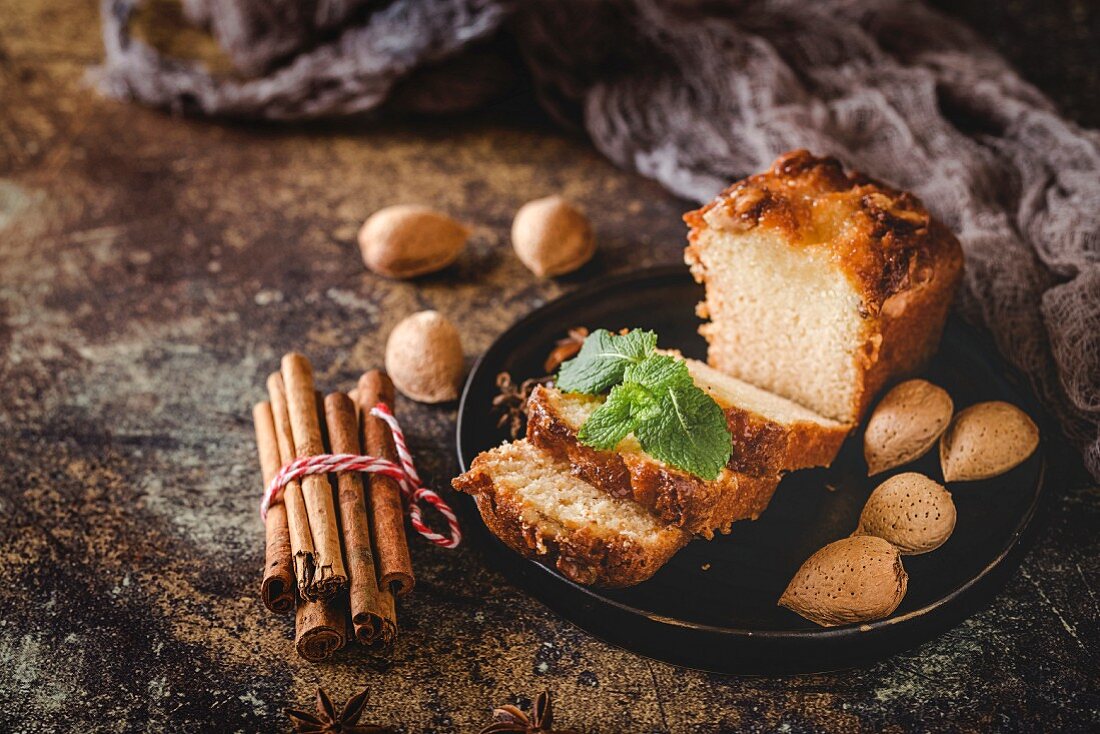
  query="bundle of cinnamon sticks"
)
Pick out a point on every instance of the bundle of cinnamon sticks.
point(335, 555)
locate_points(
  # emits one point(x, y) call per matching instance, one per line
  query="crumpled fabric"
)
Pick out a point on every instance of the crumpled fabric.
point(695, 94)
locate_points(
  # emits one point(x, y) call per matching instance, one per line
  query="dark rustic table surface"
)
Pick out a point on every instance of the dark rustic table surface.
point(153, 270)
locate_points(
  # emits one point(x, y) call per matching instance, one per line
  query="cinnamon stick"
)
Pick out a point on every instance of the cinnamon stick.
point(384, 496)
point(329, 574)
point(385, 591)
point(373, 620)
point(302, 552)
point(321, 627)
point(277, 587)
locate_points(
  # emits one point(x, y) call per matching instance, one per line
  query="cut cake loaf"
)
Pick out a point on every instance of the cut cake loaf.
point(821, 286)
point(532, 502)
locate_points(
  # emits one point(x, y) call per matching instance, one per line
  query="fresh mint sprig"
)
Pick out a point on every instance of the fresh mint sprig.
point(603, 359)
point(652, 396)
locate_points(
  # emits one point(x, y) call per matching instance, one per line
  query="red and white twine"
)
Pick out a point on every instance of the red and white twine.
point(403, 473)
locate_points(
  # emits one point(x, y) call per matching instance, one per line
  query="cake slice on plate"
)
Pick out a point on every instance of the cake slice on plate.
point(770, 435)
point(764, 435)
point(821, 286)
point(534, 504)
point(676, 497)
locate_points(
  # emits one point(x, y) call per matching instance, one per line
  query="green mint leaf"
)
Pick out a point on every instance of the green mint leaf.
point(672, 418)
point(689, 430)
point(603, 359)
point(614, 420)
point(657, 371)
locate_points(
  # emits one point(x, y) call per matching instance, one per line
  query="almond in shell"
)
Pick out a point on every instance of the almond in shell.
point(905, 425)
point(911, 511)
point(857, 579)
point(405, 241)
point(985, 440)
point(424, 357)
point(552, 237)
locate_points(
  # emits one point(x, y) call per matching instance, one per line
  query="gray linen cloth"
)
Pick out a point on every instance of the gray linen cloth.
point(695, 94)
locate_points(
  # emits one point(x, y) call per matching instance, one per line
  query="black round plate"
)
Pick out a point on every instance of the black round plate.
point(713, 606)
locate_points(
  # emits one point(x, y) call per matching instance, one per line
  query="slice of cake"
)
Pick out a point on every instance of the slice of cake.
point(684, 500)
point(532, 502)
point(821, 286)
point(770, 433)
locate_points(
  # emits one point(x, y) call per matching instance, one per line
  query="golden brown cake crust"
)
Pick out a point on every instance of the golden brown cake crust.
point(883, 238)
point(580, 555)
point(676, 497)
point(761, 447)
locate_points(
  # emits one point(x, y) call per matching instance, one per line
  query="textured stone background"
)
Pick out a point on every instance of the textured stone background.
point(152, 270)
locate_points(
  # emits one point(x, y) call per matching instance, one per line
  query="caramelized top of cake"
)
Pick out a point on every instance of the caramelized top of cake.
point(884, 239)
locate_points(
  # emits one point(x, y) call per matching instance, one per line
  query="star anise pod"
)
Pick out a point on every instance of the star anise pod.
point(511, 403)
point(509, 719)
point(327, 721)
point(567, 348)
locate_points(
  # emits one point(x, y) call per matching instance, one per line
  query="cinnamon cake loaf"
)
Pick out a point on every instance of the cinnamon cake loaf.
point(821, 285)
